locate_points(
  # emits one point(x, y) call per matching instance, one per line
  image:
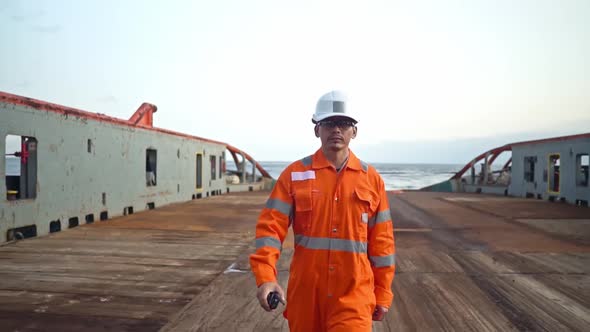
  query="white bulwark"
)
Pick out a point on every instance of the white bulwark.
point(79, 167)
point(553, 169)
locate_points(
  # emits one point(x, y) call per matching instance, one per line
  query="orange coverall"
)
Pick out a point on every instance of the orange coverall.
point(344, 258)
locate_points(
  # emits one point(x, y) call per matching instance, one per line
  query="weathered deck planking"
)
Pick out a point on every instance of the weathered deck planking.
point(125, 274)
point(464, 263)
point(459, 268)
point(507, 271)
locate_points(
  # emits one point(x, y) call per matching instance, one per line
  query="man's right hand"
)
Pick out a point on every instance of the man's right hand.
point(265, 289)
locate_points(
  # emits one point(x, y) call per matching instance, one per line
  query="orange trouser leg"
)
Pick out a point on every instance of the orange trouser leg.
point(304, 318)
point(353, 324)
point(309, 313)
point(352, 314)
point(304, 325)
point(304, 310)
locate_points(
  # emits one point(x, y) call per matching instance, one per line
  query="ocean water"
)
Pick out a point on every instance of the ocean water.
point(395, 176)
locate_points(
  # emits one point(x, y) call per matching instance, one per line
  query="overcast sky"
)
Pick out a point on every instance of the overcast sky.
point(424, 76)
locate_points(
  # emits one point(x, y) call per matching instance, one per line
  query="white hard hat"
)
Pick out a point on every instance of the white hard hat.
point(332, 104)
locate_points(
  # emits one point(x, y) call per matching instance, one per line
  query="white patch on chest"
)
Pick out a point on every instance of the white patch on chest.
point(302, 176)
point(365, 217)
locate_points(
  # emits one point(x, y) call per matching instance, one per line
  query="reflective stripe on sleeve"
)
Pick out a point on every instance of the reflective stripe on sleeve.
point(381, 216)
point(282, 207)
point(364, 166)
point(331, 244)
point(382, 261)
point(268, 241)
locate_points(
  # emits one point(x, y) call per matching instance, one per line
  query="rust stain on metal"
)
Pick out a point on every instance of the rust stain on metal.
point(159, 193)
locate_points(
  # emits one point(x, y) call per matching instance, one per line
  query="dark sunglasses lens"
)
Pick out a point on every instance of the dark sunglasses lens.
point(339, 124)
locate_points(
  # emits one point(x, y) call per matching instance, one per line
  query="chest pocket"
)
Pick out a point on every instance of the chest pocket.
point(364, 207)
point(302, 194)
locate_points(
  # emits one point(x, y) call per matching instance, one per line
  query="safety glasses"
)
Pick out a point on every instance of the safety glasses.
point(342, 124)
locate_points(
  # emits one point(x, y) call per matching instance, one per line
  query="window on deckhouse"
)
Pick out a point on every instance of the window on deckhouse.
point(582, 170)
point(20, 167)
point(151, 167)
point(529, 168)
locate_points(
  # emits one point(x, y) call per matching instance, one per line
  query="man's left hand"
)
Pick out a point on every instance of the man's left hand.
point(379, 312)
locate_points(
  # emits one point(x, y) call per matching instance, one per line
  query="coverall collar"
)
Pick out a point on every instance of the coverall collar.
point(319, 161)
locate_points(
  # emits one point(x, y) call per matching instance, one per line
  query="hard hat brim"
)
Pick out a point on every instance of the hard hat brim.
point(316, 118)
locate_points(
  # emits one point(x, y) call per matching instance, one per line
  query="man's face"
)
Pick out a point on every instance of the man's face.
point(335, 133)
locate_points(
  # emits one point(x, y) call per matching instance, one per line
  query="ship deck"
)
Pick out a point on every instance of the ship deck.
point(465, 262)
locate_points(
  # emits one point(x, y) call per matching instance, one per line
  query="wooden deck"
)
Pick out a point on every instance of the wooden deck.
point(124, 274)
point(465, 263)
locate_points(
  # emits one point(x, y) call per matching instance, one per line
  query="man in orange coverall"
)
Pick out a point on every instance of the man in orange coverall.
point(344, 259)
